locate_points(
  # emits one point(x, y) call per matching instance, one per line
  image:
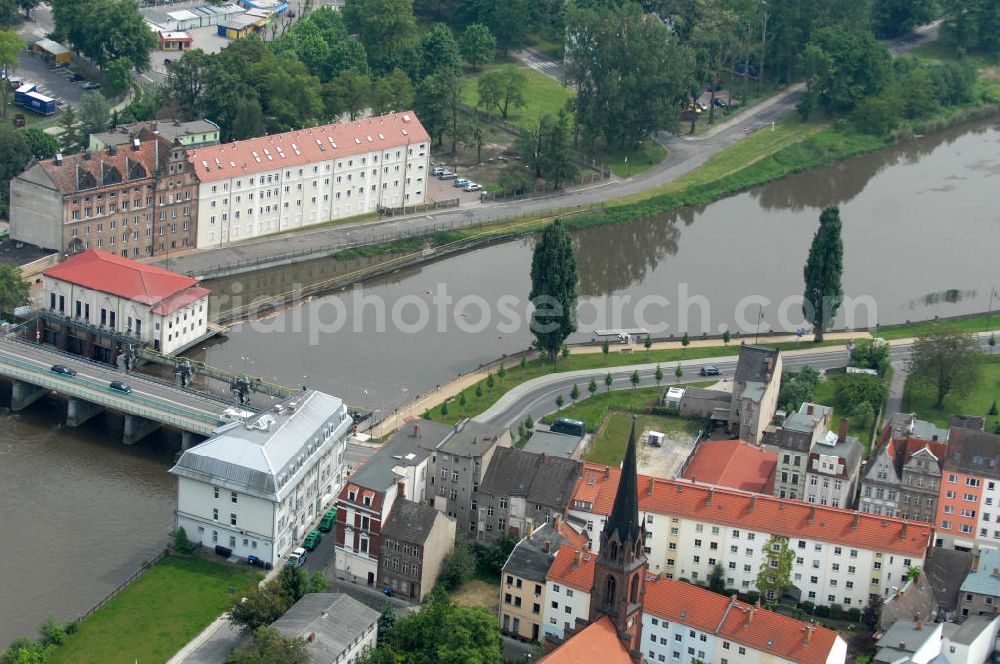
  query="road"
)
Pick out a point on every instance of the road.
point(537, 397)
point(683, 155)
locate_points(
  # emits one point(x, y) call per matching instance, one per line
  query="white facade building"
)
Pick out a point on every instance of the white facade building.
point(277, 183)
point(256, 486)
point(105, 292)
point(840, 556)
point(567, 590)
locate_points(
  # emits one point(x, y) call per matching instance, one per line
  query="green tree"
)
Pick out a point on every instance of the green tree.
point(347, 94)
point(974, 24)
point(187, 80)
point(477, 45)
point(860, 395)
point(524, 362)
point(70, 139)
point(118, 74)
point(433, 102)
point(892, 18)
point(560, 400)
point(726, 337)
point(502, 89)
point(479, 391)
point(267, 646)
point(318, 583)
point(95, 113)
point(717, 580)
point(14, 156)
point(501, 372)
point(685, 342)
point(948, 362)
point(658, 375)
point(871, 354)
point(386, 619)
point(844, 66)
point(592, 386)
point(565, 352)
point(992, 341)
point(11, 46)
point(490, 382)
point(40, 144)
point(634, 379)
point(387, 28)
point(776, 572)
point(798, 388)
point(574, 394)
point(554, 284)
point(294, 583)
point(872, 613)
point(444, 409)
point(529, 423)
point(261, 606)
point(546, 150)
point(458, 565)
point(648, 343)
point(105, 30)
point(605, 349)
point(608, 380)
point(391, 93)
point(461, 400)
point(678, 372)
point(24, 651)
point(436, 50)
point(181, 541)
point(823, 271)
point(51, 633)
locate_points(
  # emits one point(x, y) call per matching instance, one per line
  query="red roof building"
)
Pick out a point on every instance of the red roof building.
point(597, 642)
point(116, 295)
point(733, 463)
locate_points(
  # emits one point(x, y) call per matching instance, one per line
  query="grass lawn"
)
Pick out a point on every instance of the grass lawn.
point(639, 161)
point(541, 95)
point(824, 395)
point(476, 592)
point(612, 437)
point(591, 411)
point(920, 399)
point(979, 323)
point(155, 616)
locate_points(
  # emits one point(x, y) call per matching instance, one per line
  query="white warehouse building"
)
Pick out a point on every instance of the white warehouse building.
point(300, 178)
point(256, 486)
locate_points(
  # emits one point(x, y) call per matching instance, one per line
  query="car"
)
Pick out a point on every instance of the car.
point(167, 62)
point(472, 186)
point(120, 386)
point(742, 68)
point(461, 182)
point(76, 78)
point(709, 370)
point(330, 518)
point(297, 557)
point(438, 170)
point(91, 85)
point(720, 103)
point(447, 175)
point(312, 540)
point(63, 369)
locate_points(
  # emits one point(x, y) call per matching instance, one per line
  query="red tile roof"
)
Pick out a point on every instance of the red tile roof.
point(88, 172)
point(727, 618)
point(306, 146)
point(577, 540)
point(768, 514)
point(565, 570)
point(108, 273)
point(734, 463)
point(939, 448)
point(597, 642)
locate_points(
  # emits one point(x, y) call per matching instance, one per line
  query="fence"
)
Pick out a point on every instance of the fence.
point(417, 209)
point(584, 179)
point(122, 586)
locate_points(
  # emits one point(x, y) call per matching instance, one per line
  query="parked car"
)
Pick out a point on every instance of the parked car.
point(167, 62)
point(472, 186)
point(447, 175)
point(297, 556)
point(91, 85)
point(76, 78)
point(743, 69)
point(330, 518)
point(312, 540)
point(709, 370)
point(64, 370)
point(720, 103)
point(120, 386)
point(438, 170)
point(461, 182)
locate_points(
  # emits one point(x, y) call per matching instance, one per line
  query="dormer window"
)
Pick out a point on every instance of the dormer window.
point(368, 501)
point(352, 496)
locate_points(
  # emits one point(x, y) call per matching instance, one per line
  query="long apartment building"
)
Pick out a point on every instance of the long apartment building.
point(301, 178)
point(840, 556)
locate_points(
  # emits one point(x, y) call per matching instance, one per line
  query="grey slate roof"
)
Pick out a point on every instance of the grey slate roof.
point(753, 364)
point(168, 129)
point(850, 449)
point(702, 393)
point(404, 448)
point(904, 637)
point(985, 580)
point(263, 455)
point(976, 422)
point(410, 522)
point(969, 630)
point(946, 569)
point(802, 421)
point(754, 391)
point(562, 445)
point(533, 556)
point(540, 478)
point(973, 452)
point(471, 440)
point(335, 618)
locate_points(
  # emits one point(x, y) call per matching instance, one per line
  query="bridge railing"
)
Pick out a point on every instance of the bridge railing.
point(98, 392)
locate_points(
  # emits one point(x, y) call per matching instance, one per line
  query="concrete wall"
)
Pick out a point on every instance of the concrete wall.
point(36, 211)
point(438, 544)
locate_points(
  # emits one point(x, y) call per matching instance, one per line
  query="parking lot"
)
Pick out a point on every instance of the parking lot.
point(441, 190)
point(51, 82)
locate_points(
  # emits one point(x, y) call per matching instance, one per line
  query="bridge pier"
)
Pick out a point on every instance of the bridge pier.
point(79, 411)
point(137, 428)
point(24, 394)
point(189, 440)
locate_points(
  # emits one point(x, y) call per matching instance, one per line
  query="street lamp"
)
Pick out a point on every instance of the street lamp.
point(760, 317)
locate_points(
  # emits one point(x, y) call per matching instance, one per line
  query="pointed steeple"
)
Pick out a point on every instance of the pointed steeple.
point(624, 516)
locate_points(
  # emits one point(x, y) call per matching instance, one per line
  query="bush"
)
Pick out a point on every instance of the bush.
point(52, 633)
point(854, 614)
point(836, 611)
point(458, 566)
point(181, 542)
point(808, 607)
point(823, 611)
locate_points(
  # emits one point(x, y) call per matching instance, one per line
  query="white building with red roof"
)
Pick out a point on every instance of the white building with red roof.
point(301, 178)
point(102, 296)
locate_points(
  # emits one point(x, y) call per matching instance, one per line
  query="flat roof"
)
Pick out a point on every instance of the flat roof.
point(551, 442)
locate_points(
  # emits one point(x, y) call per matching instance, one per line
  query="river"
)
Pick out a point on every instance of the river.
point(921, 224)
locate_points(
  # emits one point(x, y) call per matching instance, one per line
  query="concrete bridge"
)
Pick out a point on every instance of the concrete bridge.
point(152, 403)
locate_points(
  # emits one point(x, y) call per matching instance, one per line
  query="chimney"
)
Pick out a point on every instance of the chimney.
point(812, 515)
point(996, 571)
point(842, 433)
point(809, 409)
point(708, 498)
point(578, 558)
point(112, 150)
point(86, 155)
point(545, 457)
point(652, 483)
point(311, 637)
point(607, 472)
point(135, 144)
point(547, 546)
point(856, 522)
point(809, 630)
point(416, 431)
point(749, 614)
point(919, 622)
point(902, 531)
point(531, 530)
point(753, 503)
point(58, 159)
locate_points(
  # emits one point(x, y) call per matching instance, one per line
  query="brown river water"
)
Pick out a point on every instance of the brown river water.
point(921, 232)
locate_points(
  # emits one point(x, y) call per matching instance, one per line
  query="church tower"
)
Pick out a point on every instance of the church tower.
point(620, 568)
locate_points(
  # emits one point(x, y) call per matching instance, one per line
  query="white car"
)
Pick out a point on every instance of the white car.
point(472, 186)
point(297, 557)
point(461, 182)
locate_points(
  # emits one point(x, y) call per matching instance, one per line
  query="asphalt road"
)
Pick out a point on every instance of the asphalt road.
point(537, 397)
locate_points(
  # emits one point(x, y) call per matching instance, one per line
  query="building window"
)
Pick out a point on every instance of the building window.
point(232, 519)
point(233, 495)
point(215, 513)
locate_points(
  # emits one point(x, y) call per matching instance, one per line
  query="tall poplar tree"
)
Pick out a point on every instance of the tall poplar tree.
point(554, 289)
point(823, 270)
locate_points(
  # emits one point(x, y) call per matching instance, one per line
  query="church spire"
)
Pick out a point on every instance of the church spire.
point(624, 518)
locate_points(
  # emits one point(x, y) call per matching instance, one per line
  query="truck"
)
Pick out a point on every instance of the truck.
point(28, 96)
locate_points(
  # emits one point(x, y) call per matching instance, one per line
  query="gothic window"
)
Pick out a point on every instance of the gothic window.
point(613, 550)
point(609, 594)
point(633, 594)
